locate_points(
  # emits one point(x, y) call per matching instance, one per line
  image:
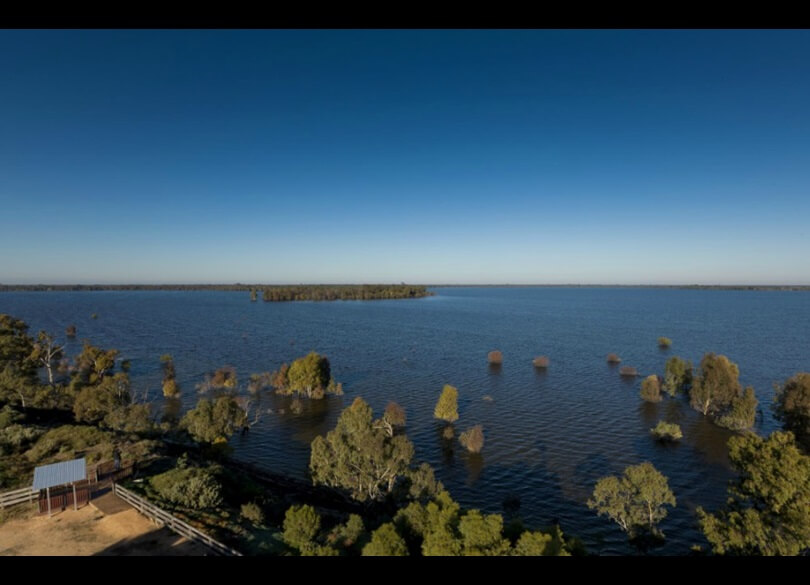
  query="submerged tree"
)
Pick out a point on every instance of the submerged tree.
point(717, 392)
point(495, 357)
point(308, 376)
point(651, 389)
point(393, 418)
point(473, 439)
point(793, 407)
point(359, 455)
point(447, 406)
point(170, 387)
point(214, 421)
point(635, 501)
point(665, 431)
point(768, 510)
point(677, 375)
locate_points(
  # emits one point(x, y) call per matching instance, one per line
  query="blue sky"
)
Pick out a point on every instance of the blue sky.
point(418, 156)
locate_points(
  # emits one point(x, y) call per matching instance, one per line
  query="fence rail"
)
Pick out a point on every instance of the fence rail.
point(162, 517)
point(17, 497)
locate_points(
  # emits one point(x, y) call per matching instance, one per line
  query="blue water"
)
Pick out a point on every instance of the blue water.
point(549, 436)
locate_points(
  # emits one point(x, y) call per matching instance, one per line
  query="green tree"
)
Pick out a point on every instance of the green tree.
point(665, 431)
point(215, 421)
point(664, 342)
point(93, 363)
point(651, 388)
point(309, 375)
point(359, 455)
point(793, 407)
point(385, 542)
point(47, 353)
point(482, 534)
point(447, 406)
point(94, 403)
point(17, 369)
point(393, 418)
point(301, 526)
point(768, 510)
point(717, 392)
point(635, 501)
point(677, 375)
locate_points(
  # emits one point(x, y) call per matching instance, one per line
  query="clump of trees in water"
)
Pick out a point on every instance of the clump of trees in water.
point(664, 342)
point(628, 371)
point(636, 500)
point(613, 358)
point(717, 392)
point(353, 292)
point(665, 431)
point(308, 376)
point(677, 376)
point(540, 362)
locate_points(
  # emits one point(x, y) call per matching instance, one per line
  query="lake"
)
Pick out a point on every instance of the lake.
point(549, 435)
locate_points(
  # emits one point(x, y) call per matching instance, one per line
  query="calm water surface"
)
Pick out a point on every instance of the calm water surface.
point(549, 436)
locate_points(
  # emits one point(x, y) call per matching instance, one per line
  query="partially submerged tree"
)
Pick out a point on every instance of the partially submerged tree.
point(170, 386)
point(635, 501)
point(308, 376)
point(792, 407)
point(213, 421)
point(359, 455)
point(664, 342)
point(665, 431)
point(473, 439)
point(540, 362)
point(393, 418)
point(70, 331)
point(717, 392)
point(768, 510)
point(628, 371)
point(495, 357)
point(613, 358)
point(651, 388)
point(677, 376)
point(447, 406)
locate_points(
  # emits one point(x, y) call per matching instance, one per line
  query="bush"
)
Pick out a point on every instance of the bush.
point(540, 361)
point(170, 388)
point(628, 371)
point(651, 388)
point(63, 442)
point(385, 542)
point(495, 357)
point(193, 487)
point(253, 513)
point(665, 431)
point(8, 416)
point(793, 407)
point(15, 436)
point(473, 439)
point(612, 358)
point(664, 342)
point(224, 377)
point(448, 432)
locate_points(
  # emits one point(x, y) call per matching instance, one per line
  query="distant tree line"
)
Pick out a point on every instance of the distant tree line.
point(301, 292)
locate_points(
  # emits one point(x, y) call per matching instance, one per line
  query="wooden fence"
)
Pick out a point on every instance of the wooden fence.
point(163, 518)
point(18, 497)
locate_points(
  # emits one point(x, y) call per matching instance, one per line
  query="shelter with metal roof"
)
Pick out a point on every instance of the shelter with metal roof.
point(60, 475)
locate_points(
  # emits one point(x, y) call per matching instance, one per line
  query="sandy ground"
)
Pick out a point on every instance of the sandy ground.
point(89, 531)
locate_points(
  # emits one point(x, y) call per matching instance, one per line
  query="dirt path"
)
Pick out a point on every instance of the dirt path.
point(88, 531)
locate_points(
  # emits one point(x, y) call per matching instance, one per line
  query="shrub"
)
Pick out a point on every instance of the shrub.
point(628, 371)
point(15, 436)
point(665, 431)
point(448, 432)
point(193, 487)
point(612, 358)
point(495, 357)
point(253, 513)
point(651, 388)
point(170, 388)
point(664, 342)
point(63, 442)
point(473, 439)
point(385, 542)
point(540, 361)
point(224, 377)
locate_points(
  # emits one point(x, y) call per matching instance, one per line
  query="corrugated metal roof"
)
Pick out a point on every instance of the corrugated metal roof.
point(63, 473)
